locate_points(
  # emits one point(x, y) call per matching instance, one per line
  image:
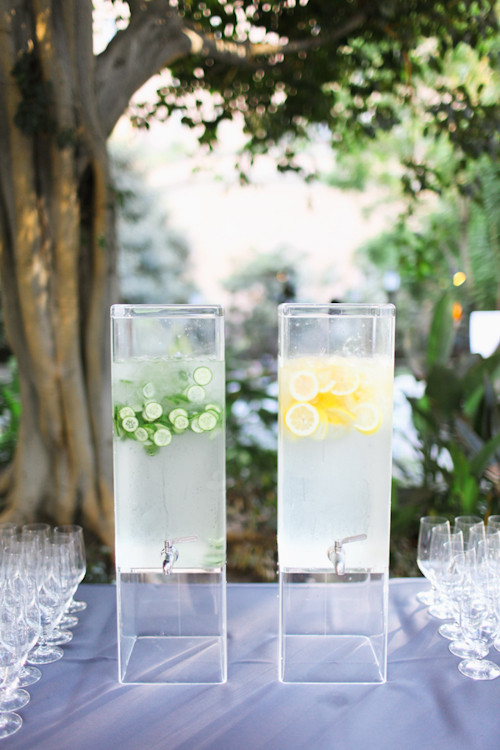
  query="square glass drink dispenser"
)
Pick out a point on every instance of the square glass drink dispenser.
point(336, 372)
point(168, 380)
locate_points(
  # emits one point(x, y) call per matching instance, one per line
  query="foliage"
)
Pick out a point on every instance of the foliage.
point(458, 424)
point(10, 411)
point(351, 66)
point(428, 244)
point(251, 469)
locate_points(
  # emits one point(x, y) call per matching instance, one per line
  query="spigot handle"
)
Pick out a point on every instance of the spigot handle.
point(357, 538)
point(182, 539)
point(171, 553)
point(336, 554)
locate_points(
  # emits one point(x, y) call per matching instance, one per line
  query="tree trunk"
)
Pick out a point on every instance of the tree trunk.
point(57, 264)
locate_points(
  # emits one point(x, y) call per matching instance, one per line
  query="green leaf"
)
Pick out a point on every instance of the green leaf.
point(442, 333)
point(470, 494)
point(443, 389)
point(482, 459)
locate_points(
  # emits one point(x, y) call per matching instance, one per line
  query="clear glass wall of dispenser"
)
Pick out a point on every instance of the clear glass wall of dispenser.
point(168, 382)
point(336, 371)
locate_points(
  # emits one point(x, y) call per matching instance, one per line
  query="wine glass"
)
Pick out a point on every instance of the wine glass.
point(480, 621)
point(466, 523)
point(427, 523)
point(76, 532)
point(451, 583)
point(440, 558)
point(494, 522)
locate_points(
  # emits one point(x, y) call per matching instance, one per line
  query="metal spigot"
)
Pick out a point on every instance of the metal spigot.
point(171, 553)
point(336, 554)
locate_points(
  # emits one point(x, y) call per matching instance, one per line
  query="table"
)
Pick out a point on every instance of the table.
point(426, 703)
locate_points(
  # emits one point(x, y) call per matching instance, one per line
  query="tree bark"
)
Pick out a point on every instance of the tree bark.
point(56, 264)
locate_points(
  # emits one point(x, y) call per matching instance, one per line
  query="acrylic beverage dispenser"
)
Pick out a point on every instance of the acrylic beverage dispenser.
point(336, 371)
point(169, 481)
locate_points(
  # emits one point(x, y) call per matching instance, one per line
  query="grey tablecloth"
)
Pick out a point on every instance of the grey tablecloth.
point(426, 703)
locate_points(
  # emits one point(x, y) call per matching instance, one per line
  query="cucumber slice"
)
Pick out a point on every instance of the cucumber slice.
point(162, 437)
point(195, 426)
point(152, 411)
point(149, 390)
point(202, 375)
point(130, 424)
point(141, 434)
point(181, 422)
point(127, 411)
point(177, 413)
point(213, 407)
point(195, 393)
point(207, 421)
point(215, 413)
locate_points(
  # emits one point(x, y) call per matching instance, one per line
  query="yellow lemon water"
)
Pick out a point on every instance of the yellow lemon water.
point(334, 460)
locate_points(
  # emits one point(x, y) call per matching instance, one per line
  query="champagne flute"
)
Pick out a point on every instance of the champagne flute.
point(63, 545)
point(50, 608)
point(427, 523)
point(9, 722)
point(21, 557)
point(13, 641)
point(76, 532)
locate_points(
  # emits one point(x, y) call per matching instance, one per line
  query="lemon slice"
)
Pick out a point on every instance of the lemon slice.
point(346, 381)
point(325, 379)
point(322, 430)
point(302, 419)
point(339, 416)
point(304, 386)
point(367, 418)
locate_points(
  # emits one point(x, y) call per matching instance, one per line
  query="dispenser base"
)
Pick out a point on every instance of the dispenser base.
point(172, 629)
point(333, 629)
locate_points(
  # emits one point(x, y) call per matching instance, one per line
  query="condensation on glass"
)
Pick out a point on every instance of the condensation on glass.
point(336, 371)
point(168, 382)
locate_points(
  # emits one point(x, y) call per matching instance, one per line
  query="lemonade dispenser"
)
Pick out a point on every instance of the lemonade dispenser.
point(169, 482)
point(336, 371)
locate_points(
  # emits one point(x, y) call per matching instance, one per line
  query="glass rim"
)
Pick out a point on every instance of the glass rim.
point(166, 311)
point(351, 309)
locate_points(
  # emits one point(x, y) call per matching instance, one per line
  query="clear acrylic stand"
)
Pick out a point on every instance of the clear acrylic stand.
point(333, 628)
point(172, 628)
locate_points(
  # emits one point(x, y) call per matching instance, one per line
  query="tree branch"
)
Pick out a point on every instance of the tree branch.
point(153, 39)
point(241, 53)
